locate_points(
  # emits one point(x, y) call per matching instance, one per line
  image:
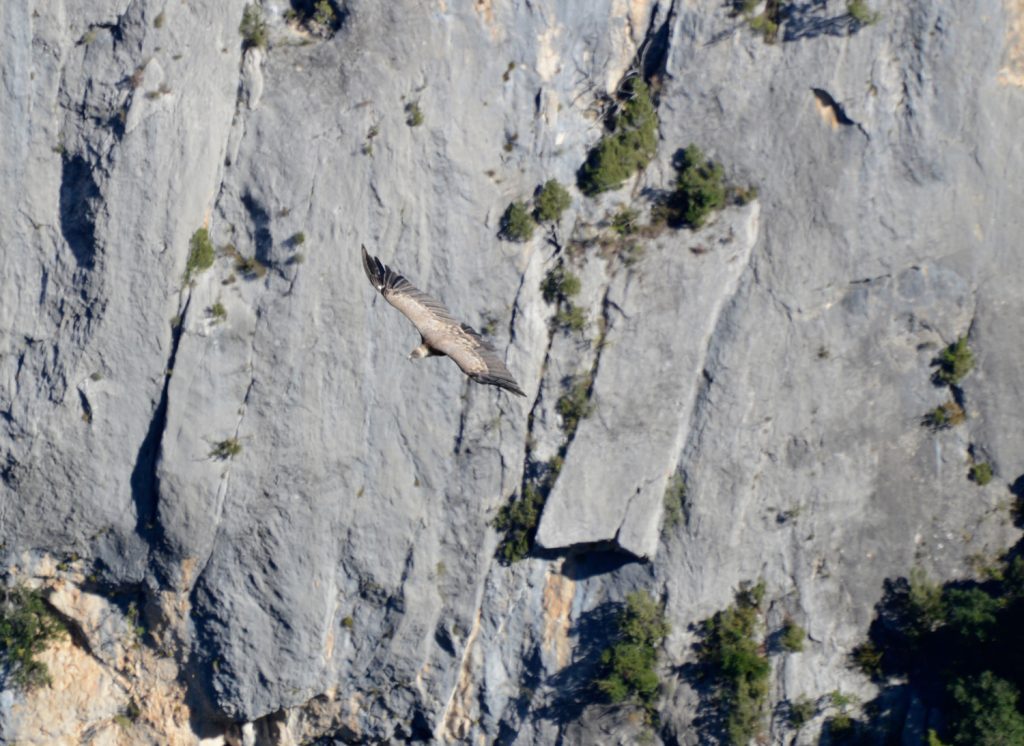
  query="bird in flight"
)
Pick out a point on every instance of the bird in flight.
point(440, 332)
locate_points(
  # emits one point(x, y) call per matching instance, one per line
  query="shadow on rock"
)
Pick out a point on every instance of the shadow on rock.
point(575, 685)
point(808, 21)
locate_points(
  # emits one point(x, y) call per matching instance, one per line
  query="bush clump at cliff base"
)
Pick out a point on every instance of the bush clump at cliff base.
point(629, 663)
point(27, 625)
point(737, 666)
point(518, 519)
point(958, 647)
point(628, 148)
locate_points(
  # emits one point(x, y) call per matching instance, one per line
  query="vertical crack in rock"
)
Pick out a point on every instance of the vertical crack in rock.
point(143, 481)
point(653, 53)
point(619, 497)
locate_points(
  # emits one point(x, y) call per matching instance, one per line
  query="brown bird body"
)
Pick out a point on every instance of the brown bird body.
point(440, 332)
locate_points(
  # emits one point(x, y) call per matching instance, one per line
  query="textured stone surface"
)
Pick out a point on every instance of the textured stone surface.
point(337, 576)
point(612, 486)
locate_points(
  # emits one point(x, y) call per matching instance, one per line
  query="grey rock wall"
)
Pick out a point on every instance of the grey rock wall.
point(337, 577)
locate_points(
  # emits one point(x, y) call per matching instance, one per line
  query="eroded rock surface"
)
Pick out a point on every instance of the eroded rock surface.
point(334, 574)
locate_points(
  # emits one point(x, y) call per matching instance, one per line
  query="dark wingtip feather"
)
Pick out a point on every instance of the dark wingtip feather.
point(373, 268)
point(505, 383)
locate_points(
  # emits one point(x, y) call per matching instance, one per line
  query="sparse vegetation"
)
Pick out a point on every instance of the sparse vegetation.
point(130, 715)
point(570, 318)
point(370, 134)
point(517, 224)
point(253, 27)
point(132, 618)
point(297, 239)
point(675, 494)
point(867, 658)
point(629, 662)
point(518, 519)
point(861, 13)
point(552, 201)
point(575, 405)
point(792, 638)
point(801, 712)
point(318, 17)
point(630, 252)
point(413, 114)
point(158, 22)
point(226, 449)
point(628, 148)
point(765, 23)
point(348, 622)
point(955, 362)
point(323, 14)
point(841, 724)
point(624, 221)
point(249, 267)
point(945, 416)
point(981, 474)
point(27, 626)
point(743, 195)
point(700, 188)
point(740, 670)
point(217, 312)
point(200, 255)
point(560, 285)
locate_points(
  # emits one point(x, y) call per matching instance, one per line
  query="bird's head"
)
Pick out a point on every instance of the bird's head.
point(419, 352)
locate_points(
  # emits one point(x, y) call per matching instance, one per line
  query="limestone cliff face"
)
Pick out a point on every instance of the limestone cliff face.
point(336, 577)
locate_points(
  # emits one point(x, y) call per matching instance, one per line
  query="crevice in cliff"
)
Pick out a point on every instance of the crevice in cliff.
point(690, 434)
point(144, 482)
point(79, 195)
point(653, 53)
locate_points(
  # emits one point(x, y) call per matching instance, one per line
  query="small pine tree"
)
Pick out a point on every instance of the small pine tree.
point(253, 27)
point(700, 188)
point(552, 201)
point(517, 224)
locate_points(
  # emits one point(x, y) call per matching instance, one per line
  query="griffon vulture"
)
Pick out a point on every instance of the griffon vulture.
point(440, 332)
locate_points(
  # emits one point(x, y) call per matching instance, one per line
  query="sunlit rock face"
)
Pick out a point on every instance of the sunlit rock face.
point(241, 461)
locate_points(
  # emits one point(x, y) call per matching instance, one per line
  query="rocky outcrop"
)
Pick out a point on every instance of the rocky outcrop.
point(302, 518)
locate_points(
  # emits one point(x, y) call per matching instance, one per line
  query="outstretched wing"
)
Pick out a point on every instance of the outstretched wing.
point(476, 357)
point(428, 315)
point(439, 329)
